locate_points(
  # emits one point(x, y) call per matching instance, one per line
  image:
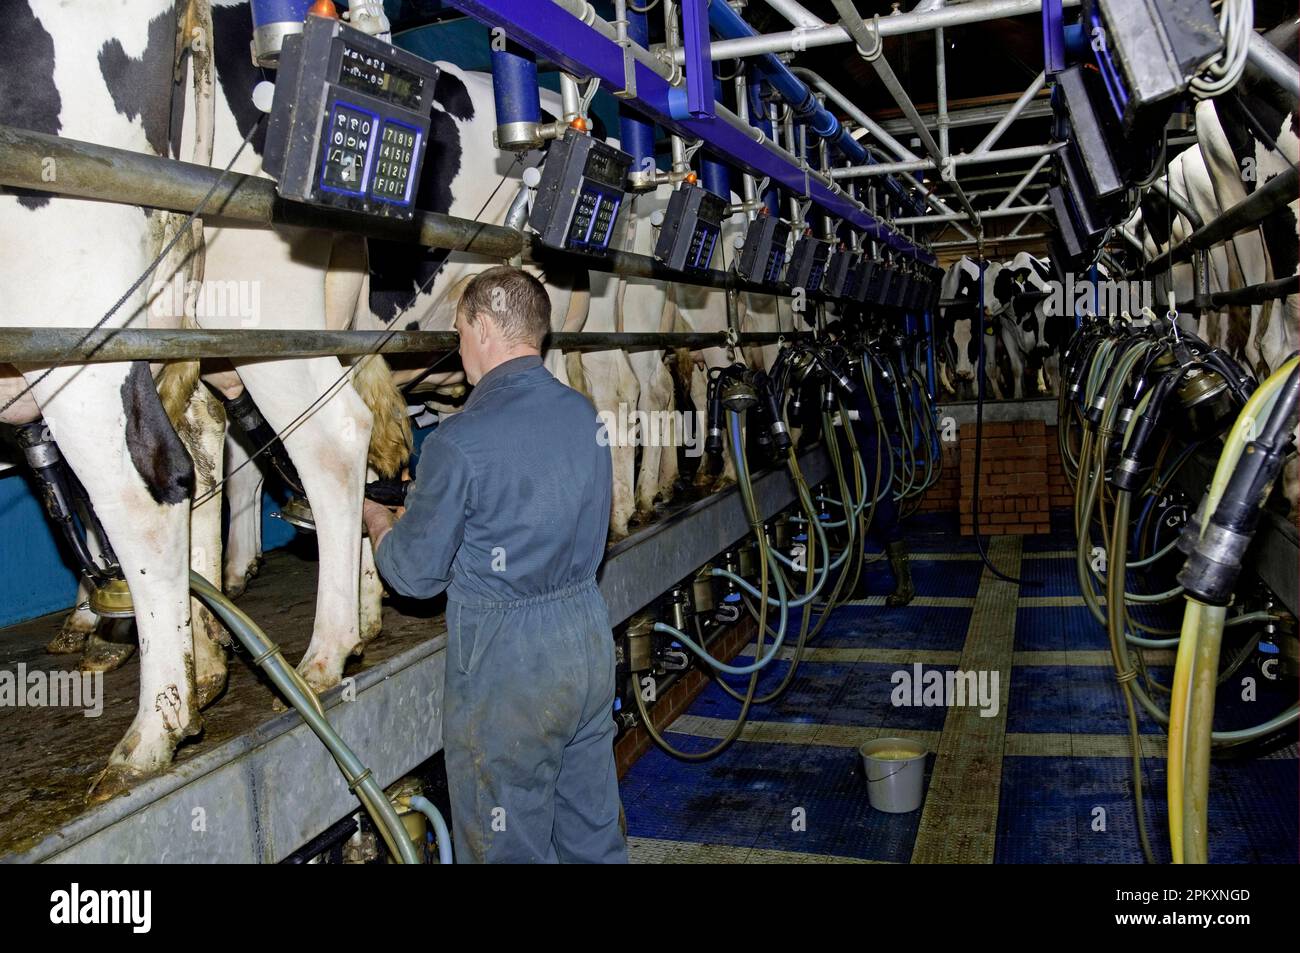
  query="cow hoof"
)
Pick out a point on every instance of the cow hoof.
point(113, 781)
point(643, 517)
point(235, 583)
point(208, 688)
point(322, 674)
point(104, 656)
point(69, 641)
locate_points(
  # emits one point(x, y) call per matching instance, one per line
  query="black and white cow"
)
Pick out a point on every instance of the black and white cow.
point(1033, 335)
point(959, 347)
point(103, 73)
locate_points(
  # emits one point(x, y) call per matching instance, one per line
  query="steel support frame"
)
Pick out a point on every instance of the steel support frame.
point(806, 38)
point(581, 49)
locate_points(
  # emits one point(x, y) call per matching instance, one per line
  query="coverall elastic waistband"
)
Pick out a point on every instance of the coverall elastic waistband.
point(552, 596)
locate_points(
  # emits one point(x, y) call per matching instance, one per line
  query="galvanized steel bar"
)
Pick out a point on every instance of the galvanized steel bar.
point(806, 38)
point(42, 346)
point(88, 170)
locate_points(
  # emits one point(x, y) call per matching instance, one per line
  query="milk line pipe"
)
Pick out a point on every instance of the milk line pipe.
point(751, 509)
point(585, 44)
point(266, 655)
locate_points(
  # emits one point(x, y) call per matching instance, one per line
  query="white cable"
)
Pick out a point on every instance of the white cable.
point(1236, 23)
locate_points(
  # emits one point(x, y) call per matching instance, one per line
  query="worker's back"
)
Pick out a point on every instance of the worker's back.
point(537, 512)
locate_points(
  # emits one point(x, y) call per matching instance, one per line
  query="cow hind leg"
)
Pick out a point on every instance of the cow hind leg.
point(328, 448)
point(243, 492)
point(140, 481)
point(203, 431)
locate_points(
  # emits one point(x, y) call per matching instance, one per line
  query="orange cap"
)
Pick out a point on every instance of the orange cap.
point(323, 8)
point(691, 178)
point(578, 123)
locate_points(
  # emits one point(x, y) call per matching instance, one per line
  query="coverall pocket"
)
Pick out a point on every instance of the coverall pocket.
point(475, 630)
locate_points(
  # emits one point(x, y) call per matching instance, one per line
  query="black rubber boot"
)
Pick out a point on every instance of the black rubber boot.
point(903, 591)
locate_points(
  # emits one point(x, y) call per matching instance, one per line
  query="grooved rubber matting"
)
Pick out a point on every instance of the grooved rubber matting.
point(1046, 779)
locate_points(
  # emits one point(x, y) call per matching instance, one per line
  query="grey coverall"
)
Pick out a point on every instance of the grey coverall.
point(508, 513)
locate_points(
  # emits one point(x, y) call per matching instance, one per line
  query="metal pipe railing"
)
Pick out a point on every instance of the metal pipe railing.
point(991, 213)
point(1250, 294)
point(1274, 194)
point(806, 38)
point(865, 40)
point(1012, 114)
point(960, 159)
point(106, 345)
point(89, 170)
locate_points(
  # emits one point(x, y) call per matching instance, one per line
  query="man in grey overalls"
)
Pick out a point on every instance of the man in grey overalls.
point(508, 513)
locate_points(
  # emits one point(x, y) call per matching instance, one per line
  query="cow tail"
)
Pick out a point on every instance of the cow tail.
point(390, 433)
point(178, 379)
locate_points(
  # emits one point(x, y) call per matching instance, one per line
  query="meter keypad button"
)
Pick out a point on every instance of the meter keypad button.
point(347, 149)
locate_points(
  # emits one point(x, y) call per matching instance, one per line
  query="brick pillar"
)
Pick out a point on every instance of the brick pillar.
point(1014, 480)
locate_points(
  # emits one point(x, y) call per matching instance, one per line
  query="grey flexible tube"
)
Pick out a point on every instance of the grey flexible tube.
point(266, 654)
point(440, 833)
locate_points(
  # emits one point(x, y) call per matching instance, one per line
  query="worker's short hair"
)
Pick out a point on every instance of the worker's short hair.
point(512, 299)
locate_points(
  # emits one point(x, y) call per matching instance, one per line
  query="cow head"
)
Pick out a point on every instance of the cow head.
point(958, 344)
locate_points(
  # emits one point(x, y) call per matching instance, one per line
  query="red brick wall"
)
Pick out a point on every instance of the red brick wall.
point(944, 495)
point(1014, 488)
point(1059, 493)
point(679, 697)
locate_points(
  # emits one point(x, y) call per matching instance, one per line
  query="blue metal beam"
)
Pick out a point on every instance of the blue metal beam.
point(699, 68)
point(567, 41)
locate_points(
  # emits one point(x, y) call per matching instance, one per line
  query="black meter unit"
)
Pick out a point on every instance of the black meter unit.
point(582, 188)
point(763, 254)
point(863, 270)
point(350, 120)
point(839, 272)
point(692, 224)
point(808, 264)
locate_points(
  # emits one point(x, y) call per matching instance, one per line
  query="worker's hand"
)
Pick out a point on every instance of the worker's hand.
point(377, 518)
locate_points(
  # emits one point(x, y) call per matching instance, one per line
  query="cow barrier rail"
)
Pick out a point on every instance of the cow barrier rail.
point(104, 345)
point(56, 165)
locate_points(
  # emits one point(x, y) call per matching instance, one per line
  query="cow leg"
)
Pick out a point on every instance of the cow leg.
point(655, 387)
point(243, 491)
point(612, 387)
point(991, 366)
point(328, 449)
point(1016, 358)
point(203, 431)
point(371, 593)
point(111, 428)
point(76, 628)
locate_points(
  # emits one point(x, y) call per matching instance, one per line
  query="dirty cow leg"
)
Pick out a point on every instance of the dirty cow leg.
point(203, 432)
point(328, 449)
point(613, 389)
point(112, 430)
point(77, 627)
point(243, 492)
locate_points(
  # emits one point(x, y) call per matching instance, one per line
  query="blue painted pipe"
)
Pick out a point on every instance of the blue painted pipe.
point(514, 85)
point(637, 134)
point(728, 24)
point(716, 175)
point(758, 118)
point(272, 21)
